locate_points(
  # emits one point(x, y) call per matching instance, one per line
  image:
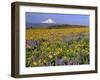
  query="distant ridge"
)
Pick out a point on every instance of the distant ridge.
point(39, 25)
point(51, 25)
point(67, 26)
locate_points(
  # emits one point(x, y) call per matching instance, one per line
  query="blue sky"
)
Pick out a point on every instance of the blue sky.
point(73, 19)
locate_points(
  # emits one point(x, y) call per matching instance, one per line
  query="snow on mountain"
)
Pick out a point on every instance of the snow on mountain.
point(49, 21)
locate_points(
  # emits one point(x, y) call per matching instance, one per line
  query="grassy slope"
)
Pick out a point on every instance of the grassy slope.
point(34, 33)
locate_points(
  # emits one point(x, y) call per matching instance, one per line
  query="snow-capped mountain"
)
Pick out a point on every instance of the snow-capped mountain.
point(44, 24)
point(49, 21)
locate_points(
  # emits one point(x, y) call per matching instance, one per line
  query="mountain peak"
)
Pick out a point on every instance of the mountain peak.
point(49, 20)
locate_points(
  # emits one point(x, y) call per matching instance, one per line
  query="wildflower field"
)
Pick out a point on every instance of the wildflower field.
point(57, 47)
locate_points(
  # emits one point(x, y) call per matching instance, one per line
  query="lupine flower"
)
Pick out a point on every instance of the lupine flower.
point(32, 43)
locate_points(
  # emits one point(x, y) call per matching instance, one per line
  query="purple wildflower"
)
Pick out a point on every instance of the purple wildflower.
point(32, 43)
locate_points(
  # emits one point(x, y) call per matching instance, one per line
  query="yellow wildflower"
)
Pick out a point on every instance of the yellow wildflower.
point(50, 56)
point(34, 63)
